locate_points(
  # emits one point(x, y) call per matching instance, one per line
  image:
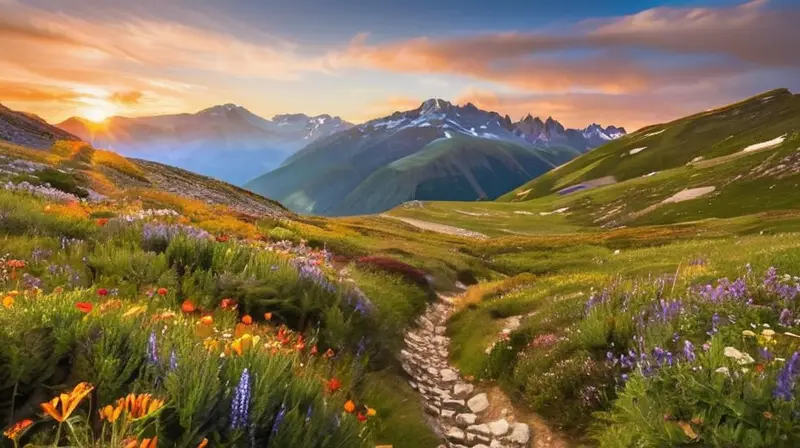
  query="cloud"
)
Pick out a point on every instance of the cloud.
point(126, 98)
point(623, 54)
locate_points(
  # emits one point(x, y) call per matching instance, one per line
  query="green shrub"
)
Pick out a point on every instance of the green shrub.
point(282, 234)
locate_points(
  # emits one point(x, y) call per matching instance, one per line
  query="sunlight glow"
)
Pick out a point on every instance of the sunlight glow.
point(95, 114)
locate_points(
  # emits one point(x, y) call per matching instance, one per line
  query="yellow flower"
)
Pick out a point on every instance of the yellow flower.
point(371, 412)
point(748, 333)
point(68, 402)
point(8, 302)
point(768, 333)
point(243, 344)
point(136, 310)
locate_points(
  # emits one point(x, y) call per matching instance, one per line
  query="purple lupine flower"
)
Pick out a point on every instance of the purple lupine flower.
point(675, 337)
point(279, 419)
point(308, 413)
point(39, 254)
point(240, 407)
point(786, 317)
point(784, 386)
point(669, 358)
point(688, 350)
point(173, 360)
point(152, 349)
point(362, 346)
point(714, 324)
point(31, 282)
point(765, 354)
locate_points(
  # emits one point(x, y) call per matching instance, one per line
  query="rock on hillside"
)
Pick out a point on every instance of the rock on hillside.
point(29, 130)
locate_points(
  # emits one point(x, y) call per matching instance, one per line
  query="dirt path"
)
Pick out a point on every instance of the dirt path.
point(439, 228)
point(464, 413)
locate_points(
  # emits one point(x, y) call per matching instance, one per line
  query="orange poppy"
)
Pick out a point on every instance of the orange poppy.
point(142, 405)
point(203, 444)
point(146, 443)
point(247, 320)
point(267, 316)
point(371, 412)
point(16, 264)
point(227, 304)
point(110, 413)
point(162, 291)
point(188, 307)
point(207, 320)
point(68, 402)
point(102, 221)
point(349, 406)
point(8, 302)
point(223, 238)
point(14, 431)
point(85, 307)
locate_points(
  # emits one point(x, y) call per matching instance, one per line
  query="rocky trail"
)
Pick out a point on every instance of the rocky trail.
point(439, 228)
point(464, 414)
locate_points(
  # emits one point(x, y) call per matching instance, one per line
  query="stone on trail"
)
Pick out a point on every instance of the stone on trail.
point(480, 445)
point(480, 429)
point(440, 330)
point(462, 389)
point(448, 375)
point(478, 403)
point(448, 414)
point(520, 434)
point(455, 434)
point(465, 420)
point(455, 405)
point(499, 427)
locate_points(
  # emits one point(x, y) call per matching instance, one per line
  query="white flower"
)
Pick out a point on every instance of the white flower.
point(723, 370)
point(742, 358)
point(748, 333)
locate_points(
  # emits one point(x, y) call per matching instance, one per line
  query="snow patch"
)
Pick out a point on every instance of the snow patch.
point(423, 125)
point(765, 145)
point(447, 134)
point(637, 150)
point(655, 133)
point(688, 194)
point(554, 212)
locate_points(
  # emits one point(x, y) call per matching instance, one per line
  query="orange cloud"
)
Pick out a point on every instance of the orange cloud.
point(126, 98)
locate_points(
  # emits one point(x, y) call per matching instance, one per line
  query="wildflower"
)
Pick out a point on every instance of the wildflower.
point(333, 385)
point(8, 302)
point(784, 387)
point(227, 304)
point(85, 307)
point(203, 443)
point(134, 311)
point(114, 304)
point(223, 238)
point(748, 333)
point(267, 316)
point(102, 292)
point(240, 407)
point(162, 291)
point(279, 419)
point(140, 406)
point(767, 415)
point(68, 402)
point(243, 344)
point(16, 264)
point(247, 320)
point(349, 406)
point(785, 318)
point(17, 429)
point(173, 359)
point(110, 413)
point(308, 414)
point(102, 222)
point(361, 417)
point(146, 443)
point(188, 307)
point(688, 350)
point(314, 349)
point(328, 354)
point(152, 349)
point(371, 412)
point(207, 320)
point(301, 344)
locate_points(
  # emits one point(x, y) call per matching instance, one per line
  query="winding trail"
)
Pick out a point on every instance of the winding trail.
point(464, 414)
point(439, 228)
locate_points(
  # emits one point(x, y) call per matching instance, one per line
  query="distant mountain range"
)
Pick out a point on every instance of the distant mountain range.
point(227, 142)
point(438, 151)
point(29, 130)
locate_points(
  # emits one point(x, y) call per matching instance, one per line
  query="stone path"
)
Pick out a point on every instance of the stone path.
point(459, 411)
point(438, 228)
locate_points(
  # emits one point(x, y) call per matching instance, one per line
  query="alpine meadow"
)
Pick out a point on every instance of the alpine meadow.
point(403, 263)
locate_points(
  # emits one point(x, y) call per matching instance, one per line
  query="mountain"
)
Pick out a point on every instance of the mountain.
point(25, 129)
point(436, 151)
point(740, 158)
point(227, 142)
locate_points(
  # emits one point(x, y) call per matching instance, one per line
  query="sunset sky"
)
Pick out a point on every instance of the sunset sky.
point(620, 62)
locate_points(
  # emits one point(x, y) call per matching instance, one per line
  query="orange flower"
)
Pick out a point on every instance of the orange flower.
point(8, 302)
point(85, 307)
point(227, 304)
point(110, 413)
point(242, 345)
point(146, 443)
point(16, 264)
point(102, 221)
point(361, 417)
point(166, 315)
point(162, 291)
point(188, 307)
point(301, 344)
point(110, 305)
point(333, 385)
point(58, 290)
point(223, 238)
point(767, 415)
point(68, 402)
point(207, 320)
point(349, 406)
point(267, 316)
point(14, 431)
point(142, 405)
point(203, 444)
point(247, 320)
point(328, 354)
point(371, 412)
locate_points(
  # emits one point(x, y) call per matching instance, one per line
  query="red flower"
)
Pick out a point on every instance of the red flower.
point(361, 417)
point(247, 320)
point(188, 306)
point(228, 304)
point(162, 291)
point(223, 238)
point(333, 385)
point(314, 349)
point(102, 221)
point(301, 344)
point(85, 307)
point(102, 292)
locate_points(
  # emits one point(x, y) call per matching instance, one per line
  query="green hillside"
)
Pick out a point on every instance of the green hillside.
point(450, 169)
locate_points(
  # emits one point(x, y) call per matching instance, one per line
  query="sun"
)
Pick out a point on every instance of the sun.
point(95, 114)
